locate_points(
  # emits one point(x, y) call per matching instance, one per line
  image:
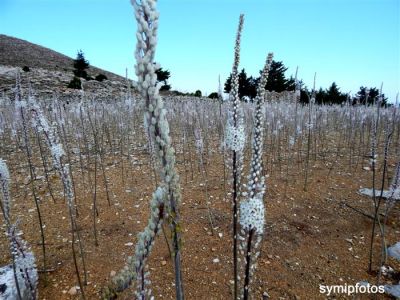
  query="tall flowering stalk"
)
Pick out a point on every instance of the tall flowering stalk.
point(252, 208)
point(235, 140)
point(20, 107)
point(4, 191)
point(200, 150)
point(58, 155)
point(20, 281)
point(156, 122)
point(373, 160)
point(157, 128)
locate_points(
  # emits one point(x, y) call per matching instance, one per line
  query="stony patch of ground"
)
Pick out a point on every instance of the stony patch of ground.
point(312, 238)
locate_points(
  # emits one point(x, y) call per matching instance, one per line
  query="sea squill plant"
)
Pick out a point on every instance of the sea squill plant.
point(58, 155)
point(21, 116)
point(373, 161)
point(252, 211)
point(18, 280)
point(167, 197)
point(200, 151)
point(235, 141)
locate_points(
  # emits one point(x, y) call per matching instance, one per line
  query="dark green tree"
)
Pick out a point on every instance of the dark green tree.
point(247, 85)
point(163, 76)
point(334, 96)
point(197, 93)
point(80, 65)
point(276, 79)
point(368, 96)
point(213, 95)
point(320, 96)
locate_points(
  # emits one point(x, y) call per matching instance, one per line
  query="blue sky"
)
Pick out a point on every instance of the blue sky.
point(351, 42)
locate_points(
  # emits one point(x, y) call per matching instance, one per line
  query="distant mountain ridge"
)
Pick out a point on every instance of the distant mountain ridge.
point(50, 71)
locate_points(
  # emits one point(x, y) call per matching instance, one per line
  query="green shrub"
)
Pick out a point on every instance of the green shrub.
point(101, 77)
point(213, 95)
point(198, 93)
point(80, 73)
point(165, 87)
point(75, 83)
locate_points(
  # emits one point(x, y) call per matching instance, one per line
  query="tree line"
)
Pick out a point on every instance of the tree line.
point(278, 82)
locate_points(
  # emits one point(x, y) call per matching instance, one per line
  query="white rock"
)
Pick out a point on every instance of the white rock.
point(393, 290)
point(369, 193)
point(73, 291)
point(394, 251)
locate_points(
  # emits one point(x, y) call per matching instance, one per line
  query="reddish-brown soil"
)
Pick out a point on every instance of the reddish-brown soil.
point(311, 237)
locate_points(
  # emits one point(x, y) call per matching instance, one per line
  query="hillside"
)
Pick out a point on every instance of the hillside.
point(50, 71)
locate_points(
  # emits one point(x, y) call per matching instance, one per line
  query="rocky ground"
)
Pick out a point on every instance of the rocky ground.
point(50, 72)
point(312, 237)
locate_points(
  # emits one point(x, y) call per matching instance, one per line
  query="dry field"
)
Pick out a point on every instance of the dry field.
point(313, 234)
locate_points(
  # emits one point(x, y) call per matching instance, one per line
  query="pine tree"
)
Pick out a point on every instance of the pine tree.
point(333, 95)
point(80, 65)
point(163, 76)
point(367, 96)
point(277, 81)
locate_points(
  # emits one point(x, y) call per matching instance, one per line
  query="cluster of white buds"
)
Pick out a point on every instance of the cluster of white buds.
point(146, 241)
point(252, 214)
point(25, 264)
point(394, 190)
point(252, 209)
point(156, 124)
point(147, 23)
point(20, 104)
point(18, 280)
point(56, 150)
point(255, 186)
point(373, 159)
point(198, 140)
point(235, 137)
point(157, 129)
point(310, 125)
point(291, 141)
point(4, 190)
point(298, 130)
